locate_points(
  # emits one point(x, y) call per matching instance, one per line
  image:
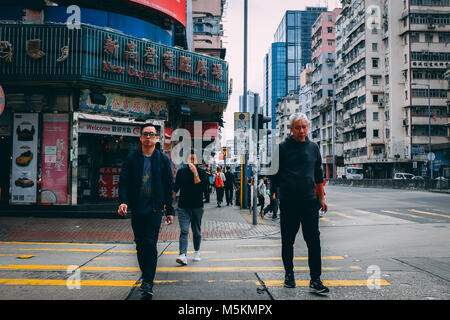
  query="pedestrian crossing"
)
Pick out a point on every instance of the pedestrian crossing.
point(232, 265)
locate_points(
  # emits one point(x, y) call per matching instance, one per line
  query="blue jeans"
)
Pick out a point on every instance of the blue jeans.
point(193, 217)
point(146, 232)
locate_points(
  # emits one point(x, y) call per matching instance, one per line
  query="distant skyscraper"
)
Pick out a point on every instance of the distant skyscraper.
point(287, 56)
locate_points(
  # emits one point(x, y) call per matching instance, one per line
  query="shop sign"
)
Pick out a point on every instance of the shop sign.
point(155, 109)
point(107, 58)
point(109, 129)
point(24, 153)
point(55, 142)
point(108, 183)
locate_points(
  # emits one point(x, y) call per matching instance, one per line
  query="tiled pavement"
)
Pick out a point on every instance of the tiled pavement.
point(227, 222)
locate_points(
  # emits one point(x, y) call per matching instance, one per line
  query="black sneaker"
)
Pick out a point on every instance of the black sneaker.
point(147, 288)
point(318, 287)
point(289, 281)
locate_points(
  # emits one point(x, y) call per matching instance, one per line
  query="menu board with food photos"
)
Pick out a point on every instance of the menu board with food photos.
point(24, 153)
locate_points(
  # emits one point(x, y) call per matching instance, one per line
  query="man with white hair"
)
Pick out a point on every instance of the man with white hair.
point(300, 172)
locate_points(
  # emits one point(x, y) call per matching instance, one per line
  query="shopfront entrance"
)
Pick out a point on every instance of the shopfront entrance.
point(100, 158)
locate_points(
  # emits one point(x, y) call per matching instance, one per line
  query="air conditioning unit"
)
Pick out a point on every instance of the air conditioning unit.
point(431, 26)
point(405, 122)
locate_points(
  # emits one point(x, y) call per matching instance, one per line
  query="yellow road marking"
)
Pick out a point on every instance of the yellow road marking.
point(328, 283)
point(274, 259)
point(402, 214)
point(56, 243)
point(364, 212)
point(257, 245)
point(128, 283)
point(161, 269)
point(355, 267)
point(325, 219)
point(189, 252)
point(430, 213)
point(342, 215)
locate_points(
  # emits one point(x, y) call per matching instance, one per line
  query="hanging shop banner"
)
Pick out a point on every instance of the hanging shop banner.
point(115, 103)
point(24, 153)
point(55, 146)
point(108, 129)
point(108, 183)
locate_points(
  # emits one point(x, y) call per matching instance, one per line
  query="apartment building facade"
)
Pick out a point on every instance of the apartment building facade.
point(388, 55)
point(207, 27)
point(323, 113)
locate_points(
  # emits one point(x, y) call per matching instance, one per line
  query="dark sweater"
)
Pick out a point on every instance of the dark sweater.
point(300, 169)
point(191, 194)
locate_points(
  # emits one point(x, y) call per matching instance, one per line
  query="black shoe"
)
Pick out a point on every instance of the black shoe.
point(147, 288)
point(318, 287)
point(289, 281)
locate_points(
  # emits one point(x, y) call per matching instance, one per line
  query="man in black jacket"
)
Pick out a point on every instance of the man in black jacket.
point(229, 186)
point(145, 187)
point(189, 181)
point(300, 171)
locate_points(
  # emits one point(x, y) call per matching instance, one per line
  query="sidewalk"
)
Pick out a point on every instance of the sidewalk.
point(227, 222)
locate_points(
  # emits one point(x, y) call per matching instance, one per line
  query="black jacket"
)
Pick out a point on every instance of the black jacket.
point(229, 182)
point(300, 169)
point(162, 181)
point(191, 194)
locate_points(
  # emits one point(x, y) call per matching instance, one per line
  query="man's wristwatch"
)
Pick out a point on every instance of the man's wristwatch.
point(196, 175)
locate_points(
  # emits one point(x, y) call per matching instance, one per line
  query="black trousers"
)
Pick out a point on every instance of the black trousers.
point(229, 194)
point(146, 231)
point(220, 192)
point(294, 213)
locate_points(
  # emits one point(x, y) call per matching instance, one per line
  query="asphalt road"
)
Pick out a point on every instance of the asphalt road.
point(377, 244)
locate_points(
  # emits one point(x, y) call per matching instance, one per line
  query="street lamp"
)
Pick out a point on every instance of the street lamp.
point(429, 126)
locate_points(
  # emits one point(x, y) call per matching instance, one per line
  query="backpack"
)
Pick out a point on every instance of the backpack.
point(218, 181)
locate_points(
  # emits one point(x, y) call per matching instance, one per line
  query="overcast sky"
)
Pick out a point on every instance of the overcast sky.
point(264, 16)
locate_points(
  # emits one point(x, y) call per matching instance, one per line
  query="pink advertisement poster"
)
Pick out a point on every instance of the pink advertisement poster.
point(55, 141)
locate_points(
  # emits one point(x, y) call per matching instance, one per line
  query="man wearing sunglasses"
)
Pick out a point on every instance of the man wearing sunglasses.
point(145, 187)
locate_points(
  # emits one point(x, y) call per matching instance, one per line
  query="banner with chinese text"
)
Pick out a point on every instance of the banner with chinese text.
point(55, 145)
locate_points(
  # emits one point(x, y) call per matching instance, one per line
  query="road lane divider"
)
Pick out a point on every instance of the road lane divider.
point(131, 283)
point(160, 269)
point(402, 214)
point(272, 259)
point(430, 213)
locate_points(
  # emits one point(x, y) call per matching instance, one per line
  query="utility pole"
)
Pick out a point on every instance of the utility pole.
point(256, 165)
point(245, 197)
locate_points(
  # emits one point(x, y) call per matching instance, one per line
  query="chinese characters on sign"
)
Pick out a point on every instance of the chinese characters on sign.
point(55, 158)
point(108, 183)
point(169, 62)
point(33, 49)
point(6, 51)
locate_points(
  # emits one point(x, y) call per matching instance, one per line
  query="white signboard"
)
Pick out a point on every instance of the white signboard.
point(24, 164)
point(108, 129)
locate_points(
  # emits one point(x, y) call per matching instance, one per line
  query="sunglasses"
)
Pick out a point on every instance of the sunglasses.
point(149, 134)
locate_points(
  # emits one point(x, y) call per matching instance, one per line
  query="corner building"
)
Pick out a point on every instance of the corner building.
point(79, 79)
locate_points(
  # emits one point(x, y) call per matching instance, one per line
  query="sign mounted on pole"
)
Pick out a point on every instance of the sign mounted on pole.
point(241, 132)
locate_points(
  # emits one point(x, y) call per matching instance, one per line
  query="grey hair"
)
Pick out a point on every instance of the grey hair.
point(296, 117)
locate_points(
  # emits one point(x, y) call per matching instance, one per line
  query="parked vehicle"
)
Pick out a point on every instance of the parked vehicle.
point(353, 173)
point(418, 178)
point(441, 178)
point(403, 176)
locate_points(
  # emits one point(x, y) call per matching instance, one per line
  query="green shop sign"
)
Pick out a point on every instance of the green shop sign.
point(90, 54)
point(156, 109)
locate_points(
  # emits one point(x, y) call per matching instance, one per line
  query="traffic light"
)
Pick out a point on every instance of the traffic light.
point(262, 120)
